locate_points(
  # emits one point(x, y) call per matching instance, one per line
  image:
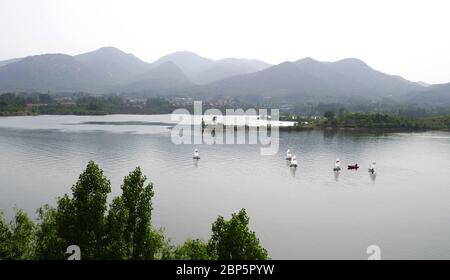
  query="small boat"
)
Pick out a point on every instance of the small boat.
point(372, 167)
point(294, 163)
point(353, 166)
point(196, 154)
point(288, 155)
point(337, 165)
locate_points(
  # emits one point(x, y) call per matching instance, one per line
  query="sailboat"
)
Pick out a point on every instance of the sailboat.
point(294, 163)
point(337, 165)
point(372, 167)
point(288, 155)
point(196, 154)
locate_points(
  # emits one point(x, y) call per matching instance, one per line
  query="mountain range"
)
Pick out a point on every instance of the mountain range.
point(110, 70)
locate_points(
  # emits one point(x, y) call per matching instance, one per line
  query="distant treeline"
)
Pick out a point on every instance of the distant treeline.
point(383, 122)
point(381, 115)
point(47, 104)
point(368, 121)
point(121, 231)
point(385, 107)
point(10, 104)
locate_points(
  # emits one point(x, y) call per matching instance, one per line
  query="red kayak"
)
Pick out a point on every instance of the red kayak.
point(354, 166)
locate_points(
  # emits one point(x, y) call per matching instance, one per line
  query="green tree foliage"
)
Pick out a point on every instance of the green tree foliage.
point(10, 104)
point(22, 236)
point(233, 240)
point(81, 219)
point(49, 245)
point(130, 218)
point(45, 98)
point(116, 226)
point(329, 115)
point(137, 201)
point(5, 238)
point(92, 103)
point(192, 250)
point(377, 120)
point(124, 231)
point(17, 238)
point(158, 105)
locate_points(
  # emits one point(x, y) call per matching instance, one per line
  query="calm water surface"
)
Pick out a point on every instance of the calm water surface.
point(312, 213)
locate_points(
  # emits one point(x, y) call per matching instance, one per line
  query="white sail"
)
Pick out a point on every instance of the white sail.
point(294, 161)
point(196, 154)
point(288, 154)
point(372, 167)
point(337, 164)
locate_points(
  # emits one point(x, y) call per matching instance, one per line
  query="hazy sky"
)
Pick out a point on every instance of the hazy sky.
point(410, 38)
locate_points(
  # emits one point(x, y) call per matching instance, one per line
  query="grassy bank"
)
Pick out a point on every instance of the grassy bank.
point(373, 122)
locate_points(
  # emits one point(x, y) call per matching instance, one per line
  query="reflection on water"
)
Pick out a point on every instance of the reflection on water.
point(373, 176)
point(303, 213)
point(293, 171)
point(336, 175)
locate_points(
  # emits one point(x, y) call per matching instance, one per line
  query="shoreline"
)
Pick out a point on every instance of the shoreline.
point(366, 130)
point(373, 128)
point(359, 129)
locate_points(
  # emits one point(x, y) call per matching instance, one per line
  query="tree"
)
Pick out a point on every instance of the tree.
point(22, 235)
point(93, 103)
point(9, 102)
point(192, 250)
point(157, 105)
point(329, 115)
point(129, 219)
point(45, 98)
point(154, 245)
point(49, 246)
point(137, 200)
point(5, 238)
point(233, 240)
point(122, 232)
point(116, 225)
point(81, 219)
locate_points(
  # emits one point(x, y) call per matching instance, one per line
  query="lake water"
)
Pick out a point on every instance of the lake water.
point(312, 213)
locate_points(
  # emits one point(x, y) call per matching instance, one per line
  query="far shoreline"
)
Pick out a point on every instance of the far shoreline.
point(295, 128)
